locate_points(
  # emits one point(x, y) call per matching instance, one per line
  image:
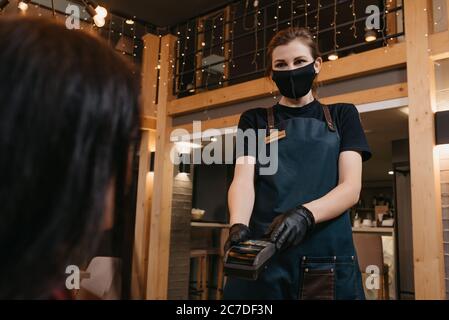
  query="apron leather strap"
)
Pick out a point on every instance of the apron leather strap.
point(327, 114)
point(329, 121)
point(270, 118)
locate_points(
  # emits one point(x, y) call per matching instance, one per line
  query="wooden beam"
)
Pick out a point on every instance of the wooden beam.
point(138, 278)
point(424, 163)
point(439, 45)
point(159, 246)
point(347, 67)
point(144, 182)
point(394, 91)
point(148, 123)
point(149, 74)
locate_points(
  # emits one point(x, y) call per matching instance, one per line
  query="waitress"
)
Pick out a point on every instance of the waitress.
point(303, 207)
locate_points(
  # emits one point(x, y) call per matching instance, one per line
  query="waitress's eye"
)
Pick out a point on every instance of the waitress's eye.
point(298, 62)
point(280, 65)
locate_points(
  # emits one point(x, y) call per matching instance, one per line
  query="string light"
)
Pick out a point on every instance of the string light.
point(306, 4)
point(318, 25)
point(291, 13)
point(200, 53)
point(254, 62)
point(184, 54)
point(231, 59)
point(133, 45)
point(384, 27)
point(122, 34)
point(354, 15)
point(222, 52)
point(334, 55)
point(212, 43)
point(277, 15)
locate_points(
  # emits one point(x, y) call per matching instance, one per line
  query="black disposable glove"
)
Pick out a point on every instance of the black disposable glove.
point(291, 227)
point(238, 233)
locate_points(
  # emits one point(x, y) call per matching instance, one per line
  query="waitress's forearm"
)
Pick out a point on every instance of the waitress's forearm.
point(333, 204)
point(240, 202)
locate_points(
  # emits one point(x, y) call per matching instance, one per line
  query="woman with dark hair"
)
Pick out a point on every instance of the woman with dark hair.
point(303, 207)
point(69, 122)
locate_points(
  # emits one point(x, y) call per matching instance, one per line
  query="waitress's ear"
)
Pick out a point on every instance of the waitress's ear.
point(318, 64)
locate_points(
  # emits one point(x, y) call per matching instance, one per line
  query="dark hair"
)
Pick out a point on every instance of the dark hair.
point(69, 117)
point(284, 37)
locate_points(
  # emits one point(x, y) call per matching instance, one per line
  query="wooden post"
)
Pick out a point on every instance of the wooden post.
point(447, 13)
point(159, 246)
point(145, 181)
point(424, 166)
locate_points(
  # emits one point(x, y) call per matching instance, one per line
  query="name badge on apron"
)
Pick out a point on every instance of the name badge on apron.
point(275, 135)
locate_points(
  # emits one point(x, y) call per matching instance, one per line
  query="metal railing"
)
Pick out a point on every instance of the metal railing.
point(229, 45)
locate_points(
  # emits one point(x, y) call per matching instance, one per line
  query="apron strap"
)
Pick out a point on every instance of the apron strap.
point(270, 118)
point(328, 116)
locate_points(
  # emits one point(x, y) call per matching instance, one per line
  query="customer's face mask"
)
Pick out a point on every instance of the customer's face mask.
point(295, 83)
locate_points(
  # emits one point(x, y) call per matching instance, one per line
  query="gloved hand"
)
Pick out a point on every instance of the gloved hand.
point(291, 227)
point(238, 233)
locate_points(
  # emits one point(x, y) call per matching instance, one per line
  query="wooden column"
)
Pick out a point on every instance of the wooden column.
point(145, 178)
point(424, 165)
point(159, 245)
point(447, 13)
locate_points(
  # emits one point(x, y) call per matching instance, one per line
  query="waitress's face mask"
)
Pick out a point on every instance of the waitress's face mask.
point(295, 83)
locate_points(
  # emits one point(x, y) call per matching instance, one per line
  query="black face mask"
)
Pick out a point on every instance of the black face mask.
point(295, 83)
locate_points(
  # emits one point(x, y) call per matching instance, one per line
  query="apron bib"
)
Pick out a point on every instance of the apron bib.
point(324, 265)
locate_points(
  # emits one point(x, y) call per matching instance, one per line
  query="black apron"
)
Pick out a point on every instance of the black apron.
point(324, 265)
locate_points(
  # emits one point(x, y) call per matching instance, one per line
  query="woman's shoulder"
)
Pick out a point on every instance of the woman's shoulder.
point(340, 106)
point(254, 112)
point(342, 109)
point(253, 118)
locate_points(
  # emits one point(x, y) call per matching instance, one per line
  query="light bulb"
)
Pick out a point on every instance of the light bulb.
point(129, 21)
point(101, 11)
point(333, 56)
point(99, 21)
point(22, 6)
point(370, 35)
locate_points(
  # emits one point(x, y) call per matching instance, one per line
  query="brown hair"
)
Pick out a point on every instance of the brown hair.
point(284, 37)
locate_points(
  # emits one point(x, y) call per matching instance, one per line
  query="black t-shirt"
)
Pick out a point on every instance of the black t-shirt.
point(345, 116)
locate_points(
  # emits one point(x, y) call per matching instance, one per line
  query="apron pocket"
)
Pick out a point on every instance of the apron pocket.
point(318, 279)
